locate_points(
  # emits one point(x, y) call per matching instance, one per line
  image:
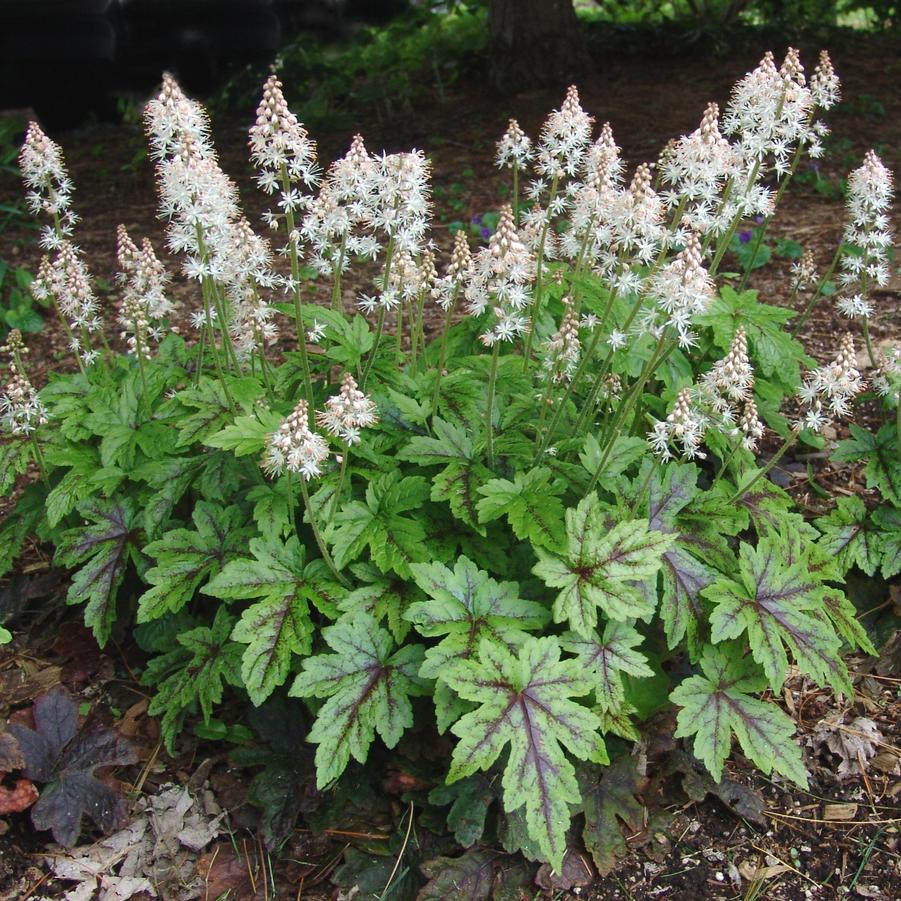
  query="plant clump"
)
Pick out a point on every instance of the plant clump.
point(500, 533)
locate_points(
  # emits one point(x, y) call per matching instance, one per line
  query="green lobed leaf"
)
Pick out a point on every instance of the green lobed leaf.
point(607, 798)
point(882, 455)
point(525, 702)
point(101, 549)
point(193, 674)
point(600, 567)
point(394, 541)
point(888, 520)
point(847, 536)
point(607, 657)
point(530, 504)
point(14, 457)
point(278, 625)
point(247, 434)
point(368, 690)
point(185, 558)
point(719, 704)
point(776, 603)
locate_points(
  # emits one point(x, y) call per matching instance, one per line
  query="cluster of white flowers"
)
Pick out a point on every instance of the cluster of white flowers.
point(638, 218)
point(564, 138)
point(514, 149)
point(563, 348)
point(686, 426)
point(681, 290)
point(732, 378)
point(728, 391)
point(722, 399)
point(49, 188)
point(68, 282)
point(868, 232)
point(334, 223)
point(804, 271)
point(825, 87)
point(400, 206)
point(827, 390)
point(347, 412)
point(886, 379)
point(593, 202)
point(144, 303)
point(295, 447)
point(500, 279)
point(171, 117)
point(65, 279)
point(698, 166)
point(21, 410)
point(201, 205)
point(281, 148)
point(456, 274)
point(770, 112)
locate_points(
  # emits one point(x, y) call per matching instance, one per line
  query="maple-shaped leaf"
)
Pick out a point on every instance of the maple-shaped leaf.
point(607, 798)
point(279, 789)
point(459, 481)
point(841, 614)
point(83, 463)
point(120, 418)
point(848, 536)
point(210, 410)
point(686, 568)
point(469, 877)
point(883, 455)
point(625, 451)
point(187, 557)
point(273, 507)
point(102, 549)
point(601, 566)
point(20, 522)
point(63, 758)
point(194, 673)
point(771, 348)
point(368, 687)
point(607, 657)
point(777, 602)
point(466, 605)
point(719, 703)
point(525, 702)
point(247, 434)
point(278, 625)
point(384, 597)
point(170, 479)
point(394, 541)
point(530, 504)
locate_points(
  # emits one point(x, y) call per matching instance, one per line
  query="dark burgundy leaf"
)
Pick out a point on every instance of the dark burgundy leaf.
point(469, 877)
point(54, 754)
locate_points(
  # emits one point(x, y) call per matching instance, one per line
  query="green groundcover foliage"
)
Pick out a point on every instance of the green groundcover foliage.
point(523, 505)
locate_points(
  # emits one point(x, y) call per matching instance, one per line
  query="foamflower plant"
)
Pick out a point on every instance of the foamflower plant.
point(513, 484)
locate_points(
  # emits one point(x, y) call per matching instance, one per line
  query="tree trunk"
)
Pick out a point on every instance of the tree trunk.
point(534, 43)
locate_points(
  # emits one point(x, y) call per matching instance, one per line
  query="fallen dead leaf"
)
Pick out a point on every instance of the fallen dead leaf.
point(752, 873)
point(840, 811)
